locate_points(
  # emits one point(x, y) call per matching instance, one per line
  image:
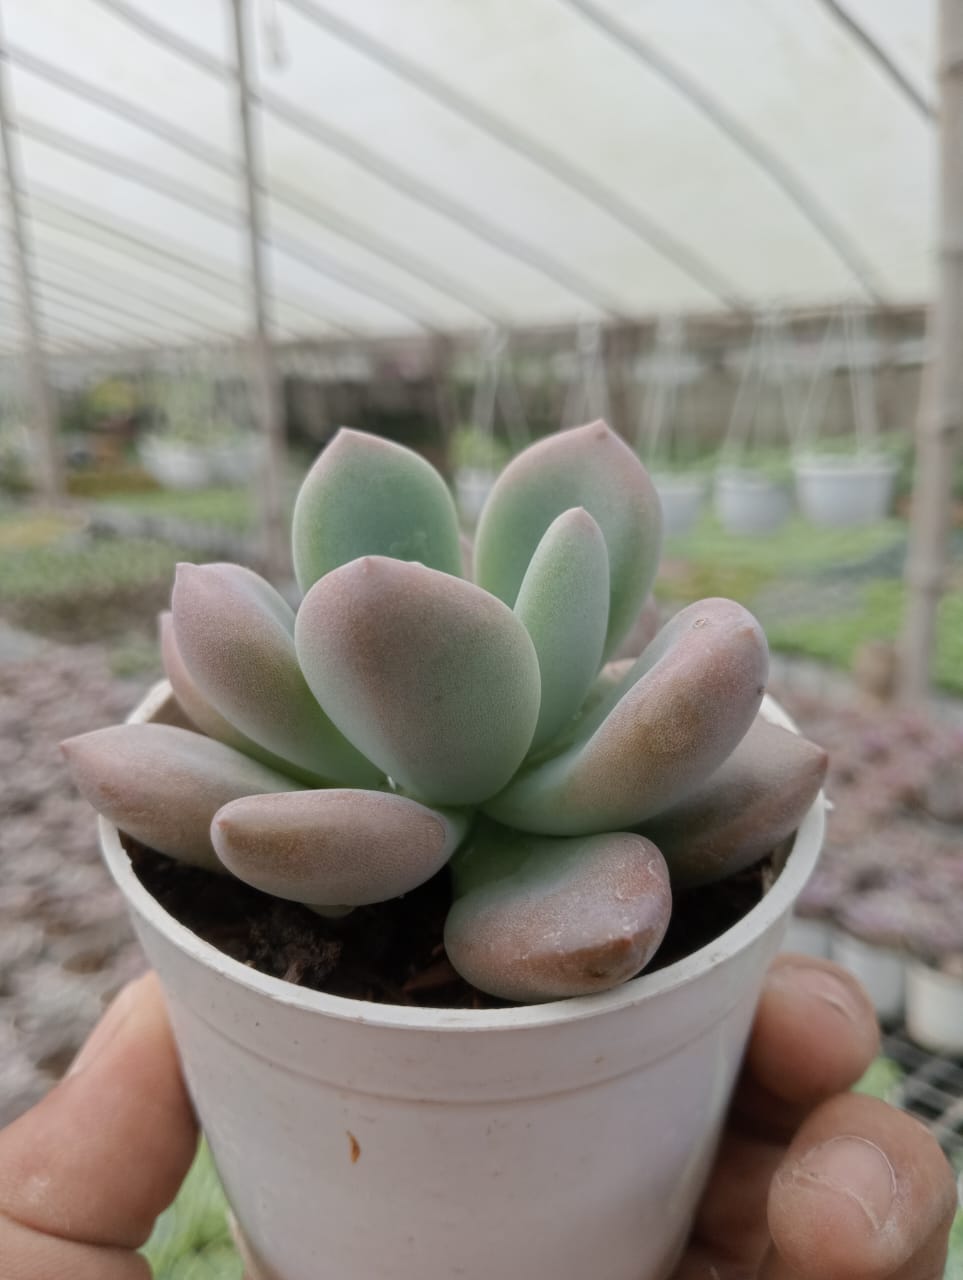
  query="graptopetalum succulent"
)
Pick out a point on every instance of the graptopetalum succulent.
point(406, 717)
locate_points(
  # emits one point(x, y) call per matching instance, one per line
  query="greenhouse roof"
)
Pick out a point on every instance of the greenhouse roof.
point(442, 165)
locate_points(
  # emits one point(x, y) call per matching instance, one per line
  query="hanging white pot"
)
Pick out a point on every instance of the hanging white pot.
point(233, 463)
point(472, 487)
point(837, 491)
point(682, 497)
point(748, 501)
point(549, 1142)
point(881, 970)
point(175, 464)
point(934, 1008)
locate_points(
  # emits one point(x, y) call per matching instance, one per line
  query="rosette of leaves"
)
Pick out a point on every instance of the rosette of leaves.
point(406, 717)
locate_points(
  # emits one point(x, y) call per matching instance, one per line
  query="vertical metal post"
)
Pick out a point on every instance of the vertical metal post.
point(940, 426)
point(619, 345)
point(268, 386)
point(49, 466)
point(446, 407)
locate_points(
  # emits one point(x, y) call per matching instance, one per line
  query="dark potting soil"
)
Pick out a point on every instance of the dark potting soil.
point(390, 953)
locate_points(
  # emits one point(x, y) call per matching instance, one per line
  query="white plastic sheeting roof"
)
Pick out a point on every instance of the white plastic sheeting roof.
point(447, 164)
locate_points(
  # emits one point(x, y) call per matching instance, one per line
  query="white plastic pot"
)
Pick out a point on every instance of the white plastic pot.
point(681, 497)
point(834, 491)
point(472, 487)
point(934, 1008)
point(555, 1142)
point(881, 970)
point(809, 936)
point(748, 502)
point(233, 464)
point(174, 465)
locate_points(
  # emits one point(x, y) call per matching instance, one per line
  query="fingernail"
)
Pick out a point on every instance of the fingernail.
point(852, 1167)
point(106, 1029)
point(822, 985)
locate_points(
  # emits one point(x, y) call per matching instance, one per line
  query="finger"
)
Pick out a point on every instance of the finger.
point(814, 1035)
point(30, 1256)
point(863, 1193)
point(105, 1151)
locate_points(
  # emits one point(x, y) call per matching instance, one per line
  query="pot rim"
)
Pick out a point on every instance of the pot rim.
point(777, 902)
point(680, 481)
point(816, 463)
point(746, 478)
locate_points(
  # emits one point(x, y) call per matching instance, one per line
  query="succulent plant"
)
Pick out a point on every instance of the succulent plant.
point(404, 717)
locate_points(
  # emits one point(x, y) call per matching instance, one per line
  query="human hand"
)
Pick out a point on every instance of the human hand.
point(812, 1182)
point(801, 1187)
point(84, 1174)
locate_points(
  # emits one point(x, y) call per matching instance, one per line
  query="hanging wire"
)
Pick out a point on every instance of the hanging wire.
point(496, 389)
point(848, 324)
point(779, 353)
point(486, 388)
point(588, 393)
point(865, 415)
point(510, 402)
point(660, 402)
point(737, 432)
point(820, 385)
point(771, 358)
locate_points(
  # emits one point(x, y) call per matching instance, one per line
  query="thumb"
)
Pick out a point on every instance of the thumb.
point(92, 1165)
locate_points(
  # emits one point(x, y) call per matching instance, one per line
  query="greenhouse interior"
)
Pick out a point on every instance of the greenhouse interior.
point(229, 230)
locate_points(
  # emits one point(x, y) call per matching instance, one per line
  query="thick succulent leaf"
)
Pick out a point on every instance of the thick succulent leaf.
point(235, 634)
point(192, 702)
point(432, 678)
point(642, 631)
point(586, 467)
point(620, 675)
point(564, 603)
point(368, 496)
point(163, 785)
point(344, 847)
point(540, 919)
point(752, 802)
point(679, 712)
point(611, 676)
point(206, 718)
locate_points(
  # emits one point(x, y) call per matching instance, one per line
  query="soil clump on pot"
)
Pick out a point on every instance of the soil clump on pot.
point(391, 952)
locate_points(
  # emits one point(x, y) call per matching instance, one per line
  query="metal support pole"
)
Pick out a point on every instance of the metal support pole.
point(49, 467)
point(446, 407)
point(620, 344)
point(940, 426)
point(267, 382)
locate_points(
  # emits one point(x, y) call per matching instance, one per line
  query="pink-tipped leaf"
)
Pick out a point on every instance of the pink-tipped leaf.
point(564, 605)
point(753, 801)
point(536, 919)
point(345, 847)
point(369, 496)
point(677, 715)
point(163, 785)
point(206, 718)
point(235, 635)
point(432, 678)
point(586, 467)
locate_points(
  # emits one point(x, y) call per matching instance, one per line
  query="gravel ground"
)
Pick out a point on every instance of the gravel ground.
point(65, 944)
